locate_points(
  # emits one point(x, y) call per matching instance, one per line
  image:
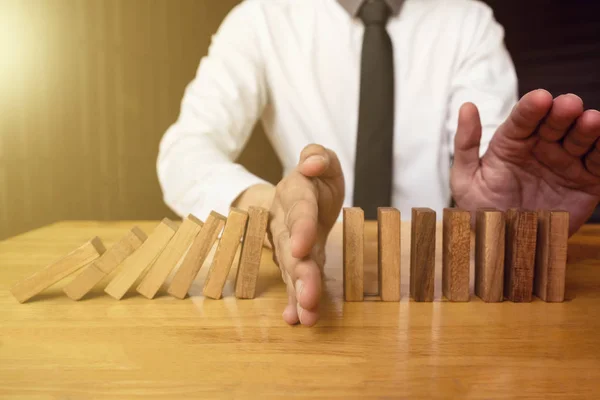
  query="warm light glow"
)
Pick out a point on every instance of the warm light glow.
point(16, 48)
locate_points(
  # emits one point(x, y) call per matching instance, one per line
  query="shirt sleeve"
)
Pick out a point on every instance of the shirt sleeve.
point(485, 74)
point(196, 168)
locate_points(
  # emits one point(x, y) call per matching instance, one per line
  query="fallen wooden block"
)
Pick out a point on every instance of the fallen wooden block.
point(521, 236)
point(167, 260)
point(58, 270)
point(353, 238)
point(134, 266)
point(489, 255)
point(108, 262)
point(456, 254)
point(196, 255)
point(226, 249)
point(551, 255)
point(422, 254)
point(249, 265)
point(388, 247)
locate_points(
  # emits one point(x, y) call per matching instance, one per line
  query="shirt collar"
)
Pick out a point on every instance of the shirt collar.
point(352, 6)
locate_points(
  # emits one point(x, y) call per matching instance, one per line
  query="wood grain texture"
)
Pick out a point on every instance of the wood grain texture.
point(519, 259)
point(490, 241)
point(248, 268)
point(196, 255)
point(107, 263)
point(353, 245)
point(551, 255)
point(60, 269)
point(456, 254)
point(135, 265)
point(225, 254)
point(169, 258)
point(389, 249)
point(422, 254)
point(147, 350)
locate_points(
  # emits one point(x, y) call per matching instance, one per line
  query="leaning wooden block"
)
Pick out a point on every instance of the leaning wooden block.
point(189, 268)
point(228, 245)
point(519, 261)
point(422, 254)
point(551, 255)
point(134, 266)
point(354, 239)
point(167, 260)
point(388, 247)
point(456, 254)
point(99, 269)
point(60, 269)
point(247, 273)
point(489, 255)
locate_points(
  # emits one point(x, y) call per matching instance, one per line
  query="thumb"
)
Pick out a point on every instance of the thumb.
point(467, 141)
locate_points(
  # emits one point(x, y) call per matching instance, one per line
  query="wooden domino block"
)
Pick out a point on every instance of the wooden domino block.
point(551, 255)
point(226, 249)
point(489, 255)
point(422, 254)
point(388, 248)
point(134, 266)
point(456, 254)
point(99, 269)
point(354, 239)
point(196, 255)
point(247, 273)
point(519, 260)
point(167, 260)
point(58, 270)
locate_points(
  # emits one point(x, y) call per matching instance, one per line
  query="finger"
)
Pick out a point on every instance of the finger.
point(554, 156)
point(592, 160)
point(307, 317)
point(526, 115)
point(308, 284)
point(584, 133)
point(280, 238)
point(298, 199)
point(565, 111)
point(290, 314)
point(318, 161)
point(467, 141)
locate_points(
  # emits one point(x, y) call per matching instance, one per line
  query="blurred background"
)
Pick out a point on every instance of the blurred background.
point(88, 87)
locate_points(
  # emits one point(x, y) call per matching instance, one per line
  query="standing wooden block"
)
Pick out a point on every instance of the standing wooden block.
point(422, 254)
point(189, 268)
point(489, 255)
point(519, 261)
point(228, 245)
point(456, 254)
point(551, 255)
point(60, 269)
point(134, 266)
point(354, 247)
point(247, 274)
point(170, 256)
point(388, 246)
point(107, 263)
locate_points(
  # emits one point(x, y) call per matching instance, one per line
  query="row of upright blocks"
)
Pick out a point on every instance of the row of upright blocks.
point(171, 249)
point(517, 253)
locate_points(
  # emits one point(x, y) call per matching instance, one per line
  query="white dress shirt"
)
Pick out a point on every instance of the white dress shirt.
point(295, 65)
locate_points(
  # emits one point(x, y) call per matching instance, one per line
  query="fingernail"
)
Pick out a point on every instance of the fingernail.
point(299, 288)
point(300, 311)
point(314, 159)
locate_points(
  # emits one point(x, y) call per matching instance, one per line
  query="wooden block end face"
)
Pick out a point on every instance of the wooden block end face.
point(388, 247)
point(489, 255)
point(170, 224)
point(195, 220)
point(140, 234)
point(353, 253)
point(98, 245)
point(456, 254)
point(521, 238)
point(218, 216)
point(551, 255)
point(422, 255)
point(250, 257)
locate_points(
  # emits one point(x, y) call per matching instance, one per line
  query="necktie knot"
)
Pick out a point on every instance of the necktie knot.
point(374, 12)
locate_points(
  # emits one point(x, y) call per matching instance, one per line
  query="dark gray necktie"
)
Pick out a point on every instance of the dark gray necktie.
point(374, 146)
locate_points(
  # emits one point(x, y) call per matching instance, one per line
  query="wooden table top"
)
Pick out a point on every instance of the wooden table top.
point(100, 348)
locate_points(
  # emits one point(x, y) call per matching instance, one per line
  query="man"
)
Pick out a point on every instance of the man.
point(390, 90)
